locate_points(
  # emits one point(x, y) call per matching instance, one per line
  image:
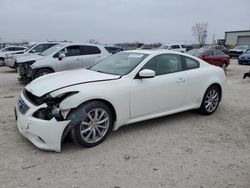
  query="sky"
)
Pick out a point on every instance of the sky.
point(113, 21)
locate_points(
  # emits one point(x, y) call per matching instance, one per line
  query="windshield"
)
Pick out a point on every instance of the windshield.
point(164, 46)
point(119, 64)
point(242, 47)
point(247, 52)
point(195, 52)
point(29, 47)
point(52, 50)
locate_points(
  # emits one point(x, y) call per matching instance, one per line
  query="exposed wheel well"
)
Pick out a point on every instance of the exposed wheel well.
point(108, 104)
point(70, 126)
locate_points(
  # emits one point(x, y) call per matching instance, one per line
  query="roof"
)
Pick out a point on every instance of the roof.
point(154, 51)
point(242, 31)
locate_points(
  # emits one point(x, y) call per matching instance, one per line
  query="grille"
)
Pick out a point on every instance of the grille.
point(22, 107)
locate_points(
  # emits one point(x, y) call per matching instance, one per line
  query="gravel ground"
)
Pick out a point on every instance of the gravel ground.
point(186, 150)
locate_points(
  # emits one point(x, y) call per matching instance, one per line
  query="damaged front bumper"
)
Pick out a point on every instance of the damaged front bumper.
point(45, 134)
point(25, 72)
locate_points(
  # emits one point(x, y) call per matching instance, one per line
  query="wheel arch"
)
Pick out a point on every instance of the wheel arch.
point(73, 121)
point(40, 68)
point(216, 85)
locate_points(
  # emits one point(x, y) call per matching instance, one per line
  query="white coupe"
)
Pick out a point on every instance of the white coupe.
point(128, 87)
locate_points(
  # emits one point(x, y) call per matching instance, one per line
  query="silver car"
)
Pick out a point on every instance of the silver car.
point(64, 56)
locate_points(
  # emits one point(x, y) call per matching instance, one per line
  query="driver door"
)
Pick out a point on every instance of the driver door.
point(72, 59)
point(166, 91)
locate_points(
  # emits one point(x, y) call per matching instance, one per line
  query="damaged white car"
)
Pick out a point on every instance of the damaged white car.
point(127, 87)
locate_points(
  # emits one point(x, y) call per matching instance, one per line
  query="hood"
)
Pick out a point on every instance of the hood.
point(55, 81)
point(245, 55)
point(26, 58)
point(236, 50)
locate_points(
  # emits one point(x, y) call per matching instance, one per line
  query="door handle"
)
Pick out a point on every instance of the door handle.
point(180, 80)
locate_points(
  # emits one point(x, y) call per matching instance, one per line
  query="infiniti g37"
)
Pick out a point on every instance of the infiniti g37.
point(128, 87)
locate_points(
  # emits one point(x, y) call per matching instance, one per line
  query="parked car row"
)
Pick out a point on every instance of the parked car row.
point(5, 52)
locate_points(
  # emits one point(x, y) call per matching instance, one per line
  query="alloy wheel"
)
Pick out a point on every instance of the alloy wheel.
point(212, 100)
point(95, 125)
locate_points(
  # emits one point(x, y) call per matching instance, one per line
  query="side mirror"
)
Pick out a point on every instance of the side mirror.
point(146, 73)
point(61, 56)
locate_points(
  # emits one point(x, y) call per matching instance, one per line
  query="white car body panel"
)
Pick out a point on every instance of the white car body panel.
point(132, 99)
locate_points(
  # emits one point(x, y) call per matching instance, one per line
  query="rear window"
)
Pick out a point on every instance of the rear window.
point(174, 47)
point(88, 50)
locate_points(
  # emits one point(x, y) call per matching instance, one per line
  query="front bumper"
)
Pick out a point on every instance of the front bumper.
point(44, 134)
point(244, 61)
point(25, 72)
point(10, 62)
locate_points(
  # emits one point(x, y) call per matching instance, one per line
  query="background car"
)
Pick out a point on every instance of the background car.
point(174, 47)
point(218, 47)
point(11, 60)
point(113, 49)
point(238, 50)
point(64, 56)
point(244, 58)
point(213, 57)
point(125, 88)
point(4, 52)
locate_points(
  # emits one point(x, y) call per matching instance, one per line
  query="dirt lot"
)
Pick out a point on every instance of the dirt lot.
point(186, 150)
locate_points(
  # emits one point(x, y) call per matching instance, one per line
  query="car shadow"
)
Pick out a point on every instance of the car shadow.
point(126, 130)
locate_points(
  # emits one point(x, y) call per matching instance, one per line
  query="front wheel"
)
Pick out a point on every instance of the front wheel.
point(95, 125)
point(42, 72)
point(210, 100)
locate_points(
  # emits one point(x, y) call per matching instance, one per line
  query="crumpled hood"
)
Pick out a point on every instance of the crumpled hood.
point(54, 81)
point(26, 58)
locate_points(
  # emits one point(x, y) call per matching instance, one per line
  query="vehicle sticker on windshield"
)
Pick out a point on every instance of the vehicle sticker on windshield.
point(135, 55)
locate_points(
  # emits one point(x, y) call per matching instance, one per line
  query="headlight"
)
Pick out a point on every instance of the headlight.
point(52, 111)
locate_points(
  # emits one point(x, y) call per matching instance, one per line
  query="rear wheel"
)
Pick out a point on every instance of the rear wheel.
point(95, 125)
point(210, 100)
point(42, 72)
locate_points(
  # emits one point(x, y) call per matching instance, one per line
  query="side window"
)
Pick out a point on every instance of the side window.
point(191, 63)
point(183, 46)
point(218, 53)
point(164, 64)
point(175, 47)
point(209, 53)
point(62, 51)
point(73, 51)
point(89, 50)
point(11, 49)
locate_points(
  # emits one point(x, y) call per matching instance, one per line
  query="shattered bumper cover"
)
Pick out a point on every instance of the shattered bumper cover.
point(44, 134)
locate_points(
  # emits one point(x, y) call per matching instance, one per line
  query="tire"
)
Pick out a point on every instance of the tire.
point(224, 66)
point(89, 133)
point(210, 100)
point(41, 72)
point(1, 61)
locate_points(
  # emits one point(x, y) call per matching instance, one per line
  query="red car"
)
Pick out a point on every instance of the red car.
point(212, 56)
